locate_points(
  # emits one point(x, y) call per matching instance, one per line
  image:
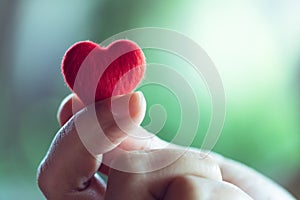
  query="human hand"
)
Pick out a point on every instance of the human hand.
point(69, 170)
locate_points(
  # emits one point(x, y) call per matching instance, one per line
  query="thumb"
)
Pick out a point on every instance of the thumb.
point(71, 104)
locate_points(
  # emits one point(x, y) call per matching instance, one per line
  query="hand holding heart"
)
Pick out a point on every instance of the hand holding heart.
point(69, 171)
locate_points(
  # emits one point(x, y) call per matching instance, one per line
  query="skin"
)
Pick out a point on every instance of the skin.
point(69, 170)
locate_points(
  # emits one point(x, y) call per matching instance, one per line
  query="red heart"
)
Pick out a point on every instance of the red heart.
point(95, 73)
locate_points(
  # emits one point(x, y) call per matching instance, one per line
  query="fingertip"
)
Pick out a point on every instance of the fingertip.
point(68, 107)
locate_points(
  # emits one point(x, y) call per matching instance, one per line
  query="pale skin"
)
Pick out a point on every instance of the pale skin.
point(69, 170)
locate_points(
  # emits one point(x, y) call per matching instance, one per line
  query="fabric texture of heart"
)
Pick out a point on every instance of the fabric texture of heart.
point(95, 73)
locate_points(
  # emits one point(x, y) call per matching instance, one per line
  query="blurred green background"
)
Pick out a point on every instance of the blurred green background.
point(255, 45)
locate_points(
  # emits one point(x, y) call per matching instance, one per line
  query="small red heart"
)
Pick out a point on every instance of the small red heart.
point(95, 73)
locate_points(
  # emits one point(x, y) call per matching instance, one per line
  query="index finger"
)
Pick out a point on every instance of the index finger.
point(68, 169)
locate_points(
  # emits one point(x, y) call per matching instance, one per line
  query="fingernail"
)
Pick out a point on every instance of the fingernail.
point(137, 107)
point(131, 107)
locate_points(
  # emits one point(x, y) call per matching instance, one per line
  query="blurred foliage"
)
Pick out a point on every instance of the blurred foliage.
point(255, 45)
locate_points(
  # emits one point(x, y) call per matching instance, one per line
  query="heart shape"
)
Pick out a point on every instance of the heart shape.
point(95, 73)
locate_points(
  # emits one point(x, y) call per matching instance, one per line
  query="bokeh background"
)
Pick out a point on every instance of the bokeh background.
point(255, 45)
